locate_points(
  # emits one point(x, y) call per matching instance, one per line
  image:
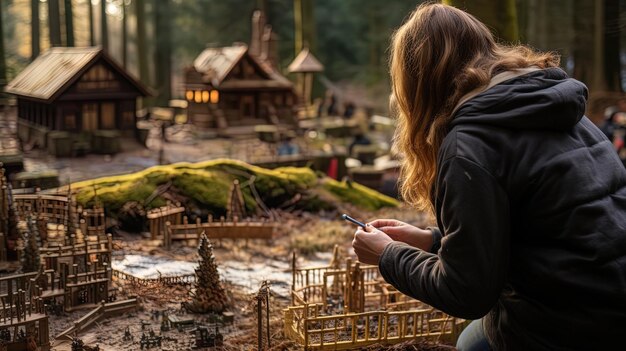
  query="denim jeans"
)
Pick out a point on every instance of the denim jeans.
point(473, 338)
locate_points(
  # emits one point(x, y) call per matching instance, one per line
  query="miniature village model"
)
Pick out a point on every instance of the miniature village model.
point(338, 307)
point(190, 252)
point(64, 261)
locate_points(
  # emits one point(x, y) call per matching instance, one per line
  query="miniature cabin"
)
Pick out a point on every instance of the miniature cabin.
point(231, 88)
point(79, 91)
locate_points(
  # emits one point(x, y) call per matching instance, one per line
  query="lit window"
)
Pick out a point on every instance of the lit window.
point(215, 97)
point(189, 95)
point(197, 97)
point(205, 96)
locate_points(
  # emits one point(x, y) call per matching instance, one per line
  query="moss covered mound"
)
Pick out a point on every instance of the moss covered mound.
point(206, 186)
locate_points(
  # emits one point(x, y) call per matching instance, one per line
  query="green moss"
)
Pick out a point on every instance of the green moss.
point(359, 195)
point(208, 184)
point(206, 188)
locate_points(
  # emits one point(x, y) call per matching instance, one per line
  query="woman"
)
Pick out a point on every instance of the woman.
point(529, 196)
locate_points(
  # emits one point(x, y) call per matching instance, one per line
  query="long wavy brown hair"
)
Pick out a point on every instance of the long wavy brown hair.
point(437, 56)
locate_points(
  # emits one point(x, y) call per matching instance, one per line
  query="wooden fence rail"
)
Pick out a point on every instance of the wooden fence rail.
point(159, 216)
point(353, 330)
point(173, 280)
point(191, 232)
point(104, 310)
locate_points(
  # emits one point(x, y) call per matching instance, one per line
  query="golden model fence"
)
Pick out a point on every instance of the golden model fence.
point(336, 308)
point(314, 331)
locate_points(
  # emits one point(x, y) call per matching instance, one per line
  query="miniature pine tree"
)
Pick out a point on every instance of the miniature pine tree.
point(209, 296)
point(31, 261)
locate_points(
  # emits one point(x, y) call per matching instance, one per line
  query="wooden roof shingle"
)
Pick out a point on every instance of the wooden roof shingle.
point(52, 72)
point(216, 63)
point(305, 62)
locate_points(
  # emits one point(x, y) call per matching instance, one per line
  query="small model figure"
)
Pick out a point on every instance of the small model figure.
point(127, 335)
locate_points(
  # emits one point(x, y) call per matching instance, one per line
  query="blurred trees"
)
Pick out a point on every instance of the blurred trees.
point(350, 37)
point(163, 52)
point(500, 16)
point(104, 28)
point(69, 22)
point(54, 23)
point(34, 25)
point(92, 36)
point(3, 67)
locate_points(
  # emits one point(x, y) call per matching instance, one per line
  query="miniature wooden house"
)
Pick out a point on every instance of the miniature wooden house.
point(239, 86)
point(79, 91)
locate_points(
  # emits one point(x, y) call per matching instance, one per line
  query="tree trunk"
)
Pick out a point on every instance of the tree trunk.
point(92, 36)
point(304, 21)
point(163, 59)
point(124, 36)
point(297, 21)
point(142, 51)
point(585, 37)
point(308, 24)
point(599, 81)
point(549, 26)
point(34, 25)
point(103, 25)
point(612, 66)
point(3, 65)
point(69, 23)
point(499, 16)
point(54, 22)
point(376, 28)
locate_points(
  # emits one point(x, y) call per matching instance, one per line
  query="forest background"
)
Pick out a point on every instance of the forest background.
point(156, 39)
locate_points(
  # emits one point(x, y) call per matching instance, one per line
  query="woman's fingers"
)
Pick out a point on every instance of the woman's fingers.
point(385, 223)
point(368, 246)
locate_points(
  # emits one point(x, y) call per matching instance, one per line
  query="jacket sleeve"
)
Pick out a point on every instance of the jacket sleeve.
point(436, 239)
point(465, 277)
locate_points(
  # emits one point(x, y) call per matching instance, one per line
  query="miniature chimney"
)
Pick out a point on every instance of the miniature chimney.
point(269, 49)
point(258, 22)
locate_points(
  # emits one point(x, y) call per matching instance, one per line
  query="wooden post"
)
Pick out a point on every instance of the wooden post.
point(259, 323)
point(293, 275)
point(199, 230)
point(267, 316)
point(167, 236)
point(18, 305)
point(75, 270)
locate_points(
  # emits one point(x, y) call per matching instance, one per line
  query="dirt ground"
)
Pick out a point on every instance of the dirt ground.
point(322, 232)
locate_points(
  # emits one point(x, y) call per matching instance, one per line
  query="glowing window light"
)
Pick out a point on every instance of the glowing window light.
point(215, 96)
point(205, 96)
point(197, 96)
point(189, 95)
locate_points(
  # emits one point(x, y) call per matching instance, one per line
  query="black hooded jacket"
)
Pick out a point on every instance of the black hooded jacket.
point(530, 199)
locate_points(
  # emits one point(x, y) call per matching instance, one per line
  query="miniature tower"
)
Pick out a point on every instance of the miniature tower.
point(236, 205)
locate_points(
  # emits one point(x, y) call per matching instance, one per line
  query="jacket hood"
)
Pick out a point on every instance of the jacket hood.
point(542, 99)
